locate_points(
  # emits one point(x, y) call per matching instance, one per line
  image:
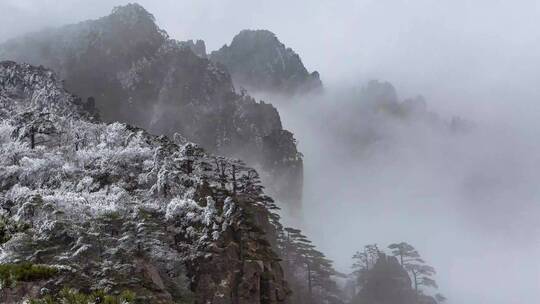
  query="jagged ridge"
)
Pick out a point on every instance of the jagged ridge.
point(138, 75)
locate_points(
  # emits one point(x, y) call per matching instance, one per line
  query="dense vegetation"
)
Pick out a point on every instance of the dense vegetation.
point(10, 274)
point(72, 296)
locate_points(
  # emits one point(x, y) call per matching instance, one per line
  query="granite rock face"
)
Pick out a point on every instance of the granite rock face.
point(258, 61)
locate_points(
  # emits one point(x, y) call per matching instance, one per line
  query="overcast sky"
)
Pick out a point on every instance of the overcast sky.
point(478, 59)
point(451, 51)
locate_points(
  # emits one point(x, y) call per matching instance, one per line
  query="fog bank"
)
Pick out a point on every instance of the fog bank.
point(470, 203)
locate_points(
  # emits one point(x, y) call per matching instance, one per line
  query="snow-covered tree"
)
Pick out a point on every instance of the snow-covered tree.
point(32, 124)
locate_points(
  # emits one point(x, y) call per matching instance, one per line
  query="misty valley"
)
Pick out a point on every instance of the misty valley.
point(140, 168)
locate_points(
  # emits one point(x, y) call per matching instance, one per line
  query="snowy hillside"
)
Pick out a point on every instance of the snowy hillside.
point(110, 207)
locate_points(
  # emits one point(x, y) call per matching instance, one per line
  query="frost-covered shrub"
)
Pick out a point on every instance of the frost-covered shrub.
point(18, 193)
point(195, 221)
point(114, 135)
point(95, 203)
point(184, 209)
point(36, 172)
point(6, 131)
point(86, 184)
point(11, 152)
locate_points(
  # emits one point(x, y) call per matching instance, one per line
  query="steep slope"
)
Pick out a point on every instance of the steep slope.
point(135, 73)
point(97, 206)
point(258, 61)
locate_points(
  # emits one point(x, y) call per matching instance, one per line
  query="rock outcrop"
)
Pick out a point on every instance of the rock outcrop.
point(258, 61)
point(110, 207)
point(389, 283)
point(386, 283)
point(197, 47)
point(134, 73)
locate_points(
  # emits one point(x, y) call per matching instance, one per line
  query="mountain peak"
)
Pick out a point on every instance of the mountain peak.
point(132, 11)
point(258, 61)
point(256, 34)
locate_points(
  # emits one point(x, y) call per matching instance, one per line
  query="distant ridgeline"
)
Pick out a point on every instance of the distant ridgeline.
point(135, 73)
point(107, 213)
point(373, 113)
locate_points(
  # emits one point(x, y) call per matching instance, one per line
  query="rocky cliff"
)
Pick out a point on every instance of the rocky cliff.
point(134, 73)
point(258, 61)
point(108, 207)
point(389, 283)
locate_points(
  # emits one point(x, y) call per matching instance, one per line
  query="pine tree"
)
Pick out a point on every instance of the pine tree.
point(311, 270)
point(404, 251)
point(363, 261)
point(31, 124)
point(422, 274)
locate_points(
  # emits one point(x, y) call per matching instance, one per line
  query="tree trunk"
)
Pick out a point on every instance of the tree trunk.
point(234, 179)
point(415, 284)
point(309, 284)
point(287, 248)
point(32, 139)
